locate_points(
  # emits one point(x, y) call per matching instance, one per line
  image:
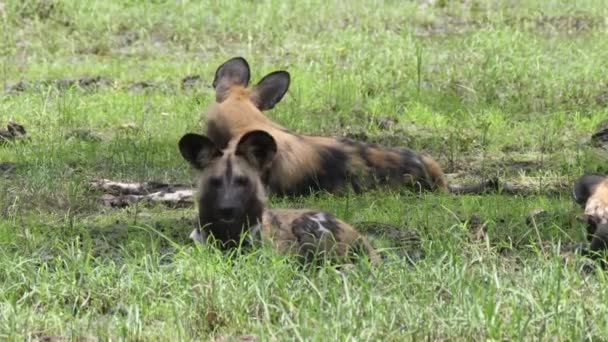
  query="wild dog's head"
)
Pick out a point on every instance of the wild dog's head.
point(238, 108)
point(231, 194)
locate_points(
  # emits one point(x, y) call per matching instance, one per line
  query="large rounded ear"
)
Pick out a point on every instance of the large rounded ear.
point(270, 90)
point(233, 72)
point(198, 150)
point(258, 148)
point(584, 187)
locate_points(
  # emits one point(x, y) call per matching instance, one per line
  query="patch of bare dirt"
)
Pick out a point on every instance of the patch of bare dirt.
point(138, 87)
point(97, 82)
point(86, 82)
point(84, 135)
point(569, 24)
point(474, 163)
point(536, 186)
point(191, 81)
point(521, 165)
point(13, 131)
point(447, 25)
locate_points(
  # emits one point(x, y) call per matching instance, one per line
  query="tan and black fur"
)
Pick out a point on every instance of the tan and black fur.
point(309, 163)
point(591, 192)
point(232, 202)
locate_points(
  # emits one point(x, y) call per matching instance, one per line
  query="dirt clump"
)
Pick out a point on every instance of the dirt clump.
point(84, 135)
point(138, 87)
point(7, 167)
point(191, 81)
point(569, 23)
point(13, 131)
point(62, 84)
point(600, 137)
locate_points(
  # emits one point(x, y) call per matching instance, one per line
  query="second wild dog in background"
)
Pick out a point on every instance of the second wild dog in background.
point(591, 192)
point(307, 163)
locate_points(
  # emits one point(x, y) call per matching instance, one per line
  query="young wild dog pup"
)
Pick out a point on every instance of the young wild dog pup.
point(309, 163)
point(232, 200)
point(591, 192)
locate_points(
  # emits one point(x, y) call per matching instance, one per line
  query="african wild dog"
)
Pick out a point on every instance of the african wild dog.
point(306, 163)
point(232, 200)
point(591, 192)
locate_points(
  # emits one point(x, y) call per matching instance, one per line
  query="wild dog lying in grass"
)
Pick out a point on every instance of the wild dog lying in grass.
point(591, 192)
point(304, 163)
point(232, 201)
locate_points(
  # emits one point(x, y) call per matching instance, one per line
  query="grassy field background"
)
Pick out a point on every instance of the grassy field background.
point(509, 88)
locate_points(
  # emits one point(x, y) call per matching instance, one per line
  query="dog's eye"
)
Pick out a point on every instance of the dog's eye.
point(215, 182)
point(241, 181)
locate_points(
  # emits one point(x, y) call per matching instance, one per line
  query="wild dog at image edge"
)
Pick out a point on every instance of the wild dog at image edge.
point(232, 201)
point(591, 192)
point(309, 163)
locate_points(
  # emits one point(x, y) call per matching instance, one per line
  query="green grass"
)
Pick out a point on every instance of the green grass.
point(507, 88)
